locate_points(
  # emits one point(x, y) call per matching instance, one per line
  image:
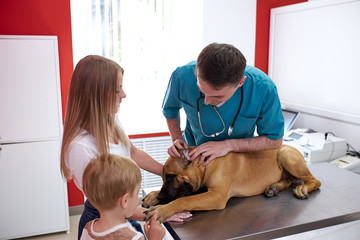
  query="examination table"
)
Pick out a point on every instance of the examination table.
point(336, 202)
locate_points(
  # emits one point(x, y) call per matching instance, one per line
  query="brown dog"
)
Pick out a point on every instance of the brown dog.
point(234, 175)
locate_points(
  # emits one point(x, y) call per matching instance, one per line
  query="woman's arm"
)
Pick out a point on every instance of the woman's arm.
point(145, 161)
point(139, 214)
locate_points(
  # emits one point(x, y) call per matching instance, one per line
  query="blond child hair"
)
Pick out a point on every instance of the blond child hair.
point(108, 177)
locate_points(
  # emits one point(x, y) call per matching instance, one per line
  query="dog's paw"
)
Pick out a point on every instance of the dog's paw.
point(301, 192)
point(272, 191)
point(150, 199)
point(163, 213)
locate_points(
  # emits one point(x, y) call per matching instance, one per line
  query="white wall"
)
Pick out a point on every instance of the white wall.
point(186, 23)
point(233, 22)
point(315, 69)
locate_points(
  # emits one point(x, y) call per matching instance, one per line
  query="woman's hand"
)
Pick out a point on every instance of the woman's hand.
point(153, 229)
point(209, 151)
point(179, 217)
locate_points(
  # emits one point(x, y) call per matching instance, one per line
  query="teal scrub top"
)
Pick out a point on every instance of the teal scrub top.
point(261, 107)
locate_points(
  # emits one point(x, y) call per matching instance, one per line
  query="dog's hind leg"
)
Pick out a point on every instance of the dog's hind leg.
point(292, 160)
point(275, 188)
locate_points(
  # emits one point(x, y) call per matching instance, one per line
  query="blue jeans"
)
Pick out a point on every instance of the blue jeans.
point(91, 213)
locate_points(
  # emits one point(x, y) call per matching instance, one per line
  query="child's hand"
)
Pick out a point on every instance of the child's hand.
point(153, 229)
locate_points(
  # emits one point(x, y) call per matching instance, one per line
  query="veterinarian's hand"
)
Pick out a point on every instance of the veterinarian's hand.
point(179, 217)
point(209, 151)
point(153, 228)
point(177, 145)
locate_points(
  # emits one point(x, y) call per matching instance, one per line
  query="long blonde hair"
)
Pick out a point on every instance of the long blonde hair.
point(91, 105)
point(107, 178)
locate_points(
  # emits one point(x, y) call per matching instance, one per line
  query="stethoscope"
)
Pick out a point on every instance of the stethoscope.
point(230, 130)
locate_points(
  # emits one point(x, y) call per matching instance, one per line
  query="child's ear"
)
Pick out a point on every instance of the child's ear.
point(124, 200)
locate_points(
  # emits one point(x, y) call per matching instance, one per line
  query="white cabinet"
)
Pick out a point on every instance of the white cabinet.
point(32, 190)
point(29, 89)
point(33, 193)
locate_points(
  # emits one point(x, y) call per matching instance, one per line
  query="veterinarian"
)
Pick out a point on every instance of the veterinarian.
point(91, 128)
point(225, 101)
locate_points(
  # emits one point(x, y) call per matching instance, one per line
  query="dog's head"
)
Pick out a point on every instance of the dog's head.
point(181, 178)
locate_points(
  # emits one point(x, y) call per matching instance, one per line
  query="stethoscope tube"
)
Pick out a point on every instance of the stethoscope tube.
point(230, 130)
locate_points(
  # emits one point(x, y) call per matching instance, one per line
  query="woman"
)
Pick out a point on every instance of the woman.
point(91, 128)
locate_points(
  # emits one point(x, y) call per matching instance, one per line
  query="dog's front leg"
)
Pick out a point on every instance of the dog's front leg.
point(211, 200)
point(150, 199)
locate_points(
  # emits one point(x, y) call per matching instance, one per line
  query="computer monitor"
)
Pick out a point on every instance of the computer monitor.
point(289, 119)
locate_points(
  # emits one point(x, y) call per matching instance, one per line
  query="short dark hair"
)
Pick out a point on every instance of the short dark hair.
point(221, 65)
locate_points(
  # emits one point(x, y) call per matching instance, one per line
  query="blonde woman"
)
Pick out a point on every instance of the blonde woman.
point(91, 128)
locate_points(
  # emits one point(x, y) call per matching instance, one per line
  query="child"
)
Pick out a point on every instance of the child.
point(111, 183)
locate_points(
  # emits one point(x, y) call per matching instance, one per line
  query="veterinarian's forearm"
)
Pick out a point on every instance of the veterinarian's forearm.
point(174, 128)
point(145, 161)
point(252, 144)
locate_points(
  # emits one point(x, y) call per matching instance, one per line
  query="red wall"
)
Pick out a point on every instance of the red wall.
point(263, 29)
point(44, 17)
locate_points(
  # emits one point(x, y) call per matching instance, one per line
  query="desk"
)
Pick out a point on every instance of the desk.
point(337, 201)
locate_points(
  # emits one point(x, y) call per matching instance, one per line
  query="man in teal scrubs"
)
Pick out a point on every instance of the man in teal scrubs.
point(226, 93)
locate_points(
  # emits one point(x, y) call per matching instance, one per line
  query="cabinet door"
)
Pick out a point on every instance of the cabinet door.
point(29, 89)
point(33, 194)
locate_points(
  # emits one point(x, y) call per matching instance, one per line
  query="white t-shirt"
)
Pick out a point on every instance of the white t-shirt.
point(82, 149)
point(121, 231)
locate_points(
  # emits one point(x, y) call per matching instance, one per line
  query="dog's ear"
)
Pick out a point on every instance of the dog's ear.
point(182, 160)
